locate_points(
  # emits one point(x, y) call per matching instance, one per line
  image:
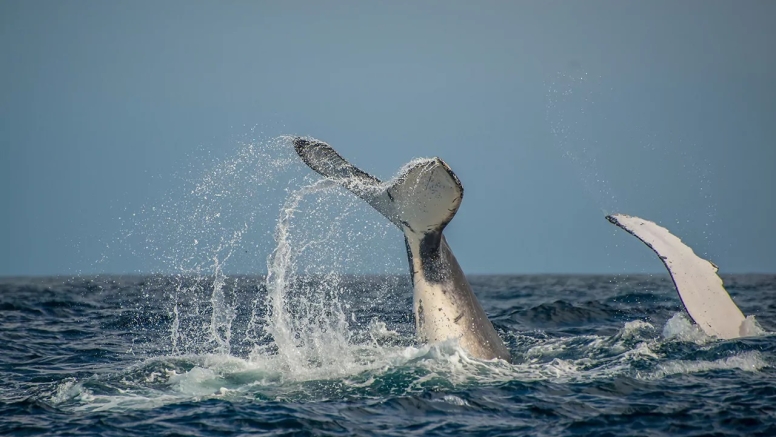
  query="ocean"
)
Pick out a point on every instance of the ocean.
point(335, 355)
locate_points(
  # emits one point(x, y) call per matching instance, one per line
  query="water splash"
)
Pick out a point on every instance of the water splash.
point(636, 351)
point(291, 334)
point(750, 327)
point(216, 228)
point(209, 227)
point(681, 328)
point(176, 321)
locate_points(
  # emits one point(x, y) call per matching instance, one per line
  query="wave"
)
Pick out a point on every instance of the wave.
point(638, 351)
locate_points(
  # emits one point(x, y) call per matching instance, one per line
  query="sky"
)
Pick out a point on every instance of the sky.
point(553, 114)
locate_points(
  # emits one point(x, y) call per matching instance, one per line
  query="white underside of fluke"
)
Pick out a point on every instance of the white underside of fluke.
point(696, 280)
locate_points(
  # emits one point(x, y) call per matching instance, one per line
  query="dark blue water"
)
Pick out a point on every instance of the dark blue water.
point(594, 355)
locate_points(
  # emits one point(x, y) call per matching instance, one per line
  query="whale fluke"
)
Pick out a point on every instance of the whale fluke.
point(421, 200)
point(700, 288)
point(424, 196)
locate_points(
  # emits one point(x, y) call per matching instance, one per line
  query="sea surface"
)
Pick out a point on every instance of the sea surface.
point(335, 355)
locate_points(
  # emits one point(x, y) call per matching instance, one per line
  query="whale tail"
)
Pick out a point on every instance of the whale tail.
point(421, 199)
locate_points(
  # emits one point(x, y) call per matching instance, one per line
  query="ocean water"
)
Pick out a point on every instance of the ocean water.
point(335, 355)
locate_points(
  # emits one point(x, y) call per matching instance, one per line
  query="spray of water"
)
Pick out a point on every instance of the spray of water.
point(298, 335)
point(310, 328)
point(223, 313)
point(219, 227)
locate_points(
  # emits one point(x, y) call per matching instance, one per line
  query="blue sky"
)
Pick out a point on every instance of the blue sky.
point(551, 113)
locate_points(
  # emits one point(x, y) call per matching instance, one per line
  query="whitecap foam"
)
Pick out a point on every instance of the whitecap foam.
point(455, 400)
point(748, 361)
point(635, 329)
point(379, 331)
point(751, 328)
point(679, 327)
point(65, 390)
point(196, 382)
point(380, 370)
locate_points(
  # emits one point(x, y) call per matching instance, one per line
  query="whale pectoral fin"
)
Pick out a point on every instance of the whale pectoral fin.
point(696, 280)
point(422, 199)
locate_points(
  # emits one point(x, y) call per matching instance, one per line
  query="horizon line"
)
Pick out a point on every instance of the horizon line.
point(263, 274)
